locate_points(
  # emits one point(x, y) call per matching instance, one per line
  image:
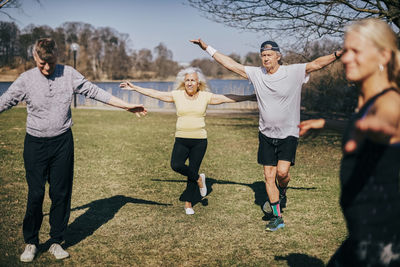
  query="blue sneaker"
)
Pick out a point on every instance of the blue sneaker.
point(274, 224)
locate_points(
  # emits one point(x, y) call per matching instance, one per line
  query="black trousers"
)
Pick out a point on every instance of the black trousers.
point(48, 160)
point(194, 150)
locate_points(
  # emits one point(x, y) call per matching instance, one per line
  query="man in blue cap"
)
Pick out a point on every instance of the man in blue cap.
point(278, 89)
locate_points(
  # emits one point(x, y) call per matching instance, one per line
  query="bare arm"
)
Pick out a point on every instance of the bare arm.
point(217, 99)
point(163, 96)
point(319, 124)
point(134, 108)
point(382, 123)
point(224, 60)
point(323, 61)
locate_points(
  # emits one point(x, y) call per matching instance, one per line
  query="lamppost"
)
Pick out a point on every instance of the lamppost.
point(75, 49)
point(29, 51)
point(29, 54)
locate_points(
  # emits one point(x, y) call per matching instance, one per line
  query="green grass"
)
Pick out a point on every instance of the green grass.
point(125, 203)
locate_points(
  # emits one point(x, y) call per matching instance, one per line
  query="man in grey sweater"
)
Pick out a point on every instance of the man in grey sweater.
point(48, 155)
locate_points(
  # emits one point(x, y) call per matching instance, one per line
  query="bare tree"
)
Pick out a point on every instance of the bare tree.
point(164, 64)
point(212, 69)
point(209, 67)
point(10, 4)
point(144, 60)
point(298, 18)
point(252, 59)
point(8, 42)
point(7, 4)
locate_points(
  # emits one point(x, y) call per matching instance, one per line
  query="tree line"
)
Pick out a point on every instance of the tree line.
point(105, 54)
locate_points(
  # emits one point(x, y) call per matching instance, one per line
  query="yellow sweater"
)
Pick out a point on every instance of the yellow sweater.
point(191, 114)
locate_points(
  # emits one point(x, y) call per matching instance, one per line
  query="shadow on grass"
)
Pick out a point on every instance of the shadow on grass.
point(260, 195)
point(196, 199)
point(99, 212)
point(300, 260)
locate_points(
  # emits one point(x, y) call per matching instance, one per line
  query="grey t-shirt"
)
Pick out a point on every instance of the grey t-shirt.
point(278, 98)
point(48, 99)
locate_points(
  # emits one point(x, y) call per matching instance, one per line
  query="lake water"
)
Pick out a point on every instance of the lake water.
point(240, 87)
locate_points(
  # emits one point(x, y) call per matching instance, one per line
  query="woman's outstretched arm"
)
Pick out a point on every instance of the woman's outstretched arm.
point(318, 124)
point(163, 96)
point(381, 124)
point(217, 99)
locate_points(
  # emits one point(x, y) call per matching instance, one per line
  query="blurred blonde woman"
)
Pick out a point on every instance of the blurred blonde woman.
point(191, 97)
point(370, 168)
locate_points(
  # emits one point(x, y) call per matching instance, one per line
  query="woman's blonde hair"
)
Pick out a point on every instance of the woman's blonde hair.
point(383, 37)
point(180, 79)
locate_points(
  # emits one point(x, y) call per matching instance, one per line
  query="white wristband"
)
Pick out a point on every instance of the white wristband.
point(210, 50)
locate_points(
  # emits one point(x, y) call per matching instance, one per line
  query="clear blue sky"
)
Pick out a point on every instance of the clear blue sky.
point(148, 22)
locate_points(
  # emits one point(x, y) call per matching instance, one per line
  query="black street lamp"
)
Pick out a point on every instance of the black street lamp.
point(75, 49)
point(29, 54)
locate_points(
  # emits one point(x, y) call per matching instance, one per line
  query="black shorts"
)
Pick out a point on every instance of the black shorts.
point(271, 150)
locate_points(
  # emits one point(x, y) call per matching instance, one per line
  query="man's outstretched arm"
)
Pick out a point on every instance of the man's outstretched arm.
point(134, 108)
point(222, 59)
point(323, 61)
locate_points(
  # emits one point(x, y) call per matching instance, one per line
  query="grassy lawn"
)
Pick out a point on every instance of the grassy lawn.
point(125, 202)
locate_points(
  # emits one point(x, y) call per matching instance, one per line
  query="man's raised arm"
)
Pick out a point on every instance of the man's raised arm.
point(225, 61)
point(323, 61)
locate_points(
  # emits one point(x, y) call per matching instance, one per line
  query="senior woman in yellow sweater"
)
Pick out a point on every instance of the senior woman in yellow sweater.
point(191, 98)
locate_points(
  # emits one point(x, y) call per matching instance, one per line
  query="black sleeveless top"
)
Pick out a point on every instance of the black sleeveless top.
point(370, 186)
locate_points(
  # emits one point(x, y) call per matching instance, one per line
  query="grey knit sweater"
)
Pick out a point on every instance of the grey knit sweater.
point(48, 99)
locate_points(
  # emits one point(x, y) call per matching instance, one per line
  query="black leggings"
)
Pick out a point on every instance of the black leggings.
point(194, 150)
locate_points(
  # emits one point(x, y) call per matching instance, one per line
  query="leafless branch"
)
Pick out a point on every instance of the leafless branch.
point(3, 3)
point(297, 17)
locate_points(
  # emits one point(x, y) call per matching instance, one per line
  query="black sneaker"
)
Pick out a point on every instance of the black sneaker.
point(274, 224)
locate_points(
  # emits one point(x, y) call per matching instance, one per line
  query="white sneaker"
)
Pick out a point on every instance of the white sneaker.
point(203, 190)
point(189, 211)
point(29, 253)
point(58, 251)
